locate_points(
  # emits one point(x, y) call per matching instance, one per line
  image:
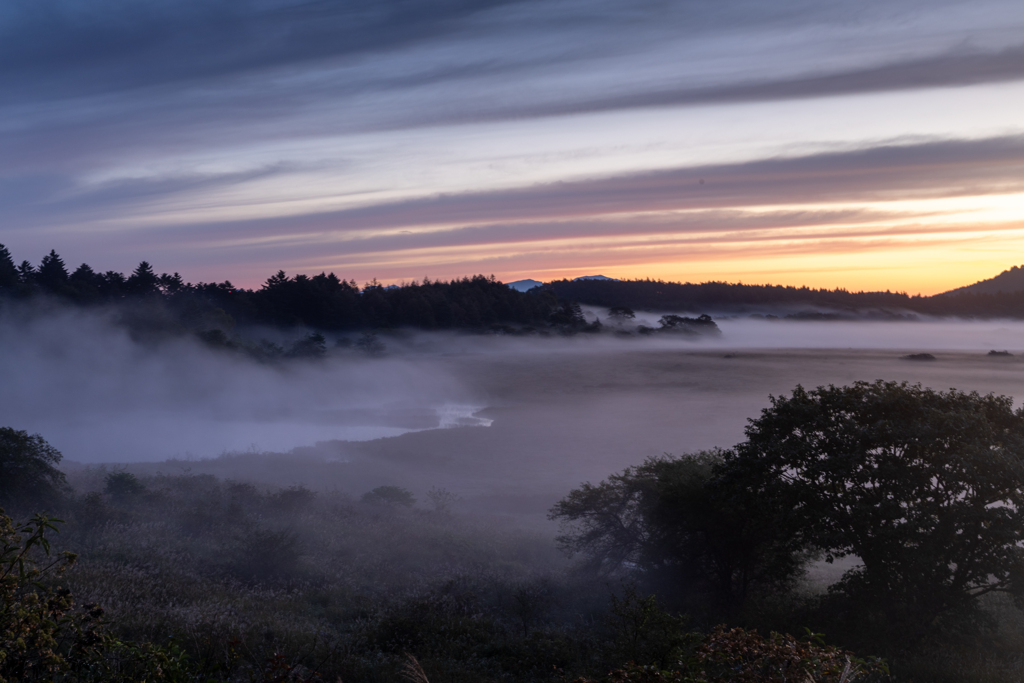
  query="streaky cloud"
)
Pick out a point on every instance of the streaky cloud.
point(829, 201)
point(895, 171)
point(954, 69)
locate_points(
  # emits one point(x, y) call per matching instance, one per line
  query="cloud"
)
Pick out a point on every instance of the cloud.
point(936, 71)
point(932, 169)
point(207, 113)
point(193, 64)
point(61, 47)
point(826, 201)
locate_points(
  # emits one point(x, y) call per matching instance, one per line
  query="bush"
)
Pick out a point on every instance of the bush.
point(28, 471)
point(743, 656)
point(740, 656)
point(44, 636)
point(389, 495)
point(123, 485)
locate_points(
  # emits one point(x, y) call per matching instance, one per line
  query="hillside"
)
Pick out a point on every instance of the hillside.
point(1009, 281)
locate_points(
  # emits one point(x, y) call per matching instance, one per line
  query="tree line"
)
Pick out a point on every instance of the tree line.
point(324, 302)
point(660, 295)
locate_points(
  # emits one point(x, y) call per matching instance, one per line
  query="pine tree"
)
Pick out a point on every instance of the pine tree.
point(143, 280)
point(84, 274)
point(52, 275)
point(8, 271)
point(26, 273)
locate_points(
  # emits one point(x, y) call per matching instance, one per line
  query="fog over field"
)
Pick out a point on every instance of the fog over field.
point(507, 423)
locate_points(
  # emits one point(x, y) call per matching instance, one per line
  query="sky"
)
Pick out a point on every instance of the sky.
point(869, 145)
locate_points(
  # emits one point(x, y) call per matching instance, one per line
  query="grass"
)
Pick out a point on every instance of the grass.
point(288, 584)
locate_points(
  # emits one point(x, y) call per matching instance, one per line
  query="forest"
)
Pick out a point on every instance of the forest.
point(687, 568)
point(794, 303)
point(156, 305)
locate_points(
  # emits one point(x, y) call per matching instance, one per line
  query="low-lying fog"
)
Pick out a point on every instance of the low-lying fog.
point(98, 396)
point(507, 423)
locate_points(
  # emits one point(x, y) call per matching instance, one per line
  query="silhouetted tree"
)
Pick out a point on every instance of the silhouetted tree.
point(8, 271)
point(143, 280)
point(122, 485)
point(112, 284)
point(26, 273)
point(52, 274)
point(926, 488)
point(702, 324)
point(28, 470)
point(567, 314)
point(312, 346)
point(85, 283)
point(171, 284)
point(370, 343)
point(694, 540)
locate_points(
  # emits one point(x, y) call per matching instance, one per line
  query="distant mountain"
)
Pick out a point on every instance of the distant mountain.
point(524, 285)
point(596, 277)
point(1011, 280)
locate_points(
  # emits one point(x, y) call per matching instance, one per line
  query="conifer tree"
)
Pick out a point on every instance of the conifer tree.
point(8, 271)
point(143, 280)
point(52, 274)
point(26, 273)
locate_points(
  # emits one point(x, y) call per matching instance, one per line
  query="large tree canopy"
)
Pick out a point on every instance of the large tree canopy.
point(689, 537)
point(926, 488)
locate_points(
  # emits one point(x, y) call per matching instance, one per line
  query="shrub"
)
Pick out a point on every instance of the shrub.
point(390, 495)
point(44, 636)
point(123, 485)
point(741, 656)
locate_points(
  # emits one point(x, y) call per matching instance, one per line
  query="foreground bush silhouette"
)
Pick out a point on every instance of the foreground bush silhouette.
point(44, 636)
point(740, 656)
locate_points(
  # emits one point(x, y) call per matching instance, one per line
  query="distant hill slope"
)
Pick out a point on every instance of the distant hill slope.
point(1011, 280)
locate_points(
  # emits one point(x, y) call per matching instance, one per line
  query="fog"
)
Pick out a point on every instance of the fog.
point(753, 332)
point(509, 424)
point(98, 396)
point(292, 541)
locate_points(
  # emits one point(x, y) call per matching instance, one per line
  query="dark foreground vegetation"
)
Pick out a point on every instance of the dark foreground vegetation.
point(687, 568)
